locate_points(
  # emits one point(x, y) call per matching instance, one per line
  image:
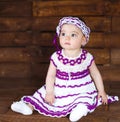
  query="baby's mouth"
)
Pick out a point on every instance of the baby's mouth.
point(67, 43)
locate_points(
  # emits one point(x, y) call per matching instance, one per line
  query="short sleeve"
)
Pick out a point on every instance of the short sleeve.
point(90, 59)
point(53, 59)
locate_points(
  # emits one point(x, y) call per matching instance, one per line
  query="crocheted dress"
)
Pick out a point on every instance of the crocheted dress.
point(73, 86)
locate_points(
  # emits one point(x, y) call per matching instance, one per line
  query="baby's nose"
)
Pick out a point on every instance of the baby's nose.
point(67, 37)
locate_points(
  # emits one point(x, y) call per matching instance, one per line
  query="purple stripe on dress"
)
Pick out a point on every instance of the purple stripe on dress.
point(63, 78)
point(79, 77)
point(62, 75)
point(60, 86)
point(73, 75)
point(79, 73)
point(93, 92)
point(71, 95)
point(70, 86)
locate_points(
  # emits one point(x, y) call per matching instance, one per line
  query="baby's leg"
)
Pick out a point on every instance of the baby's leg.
point(78, 112)
point(30, 106)
point(23, 108)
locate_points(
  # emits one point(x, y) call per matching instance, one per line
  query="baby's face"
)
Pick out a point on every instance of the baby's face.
point(71, 37)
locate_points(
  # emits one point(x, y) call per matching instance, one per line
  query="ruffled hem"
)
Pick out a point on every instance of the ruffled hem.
point(63, 113)
point(43, 111)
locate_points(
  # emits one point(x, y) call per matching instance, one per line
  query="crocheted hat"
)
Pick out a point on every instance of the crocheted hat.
point(77, 22)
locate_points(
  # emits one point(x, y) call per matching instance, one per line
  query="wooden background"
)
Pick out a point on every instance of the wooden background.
point(27, 28)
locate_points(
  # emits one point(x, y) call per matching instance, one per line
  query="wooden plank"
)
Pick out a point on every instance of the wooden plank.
point(116, 24)
point(15, 38)
point(13, 0)
point(99, 24)
point(74, 8)
point(39, 71)
point(115, 40)
point(46, 39)
point(13, 8)
point(15, 24)
point(41, 23)
point(115, 56)
point(102, 56)
point(112, 7)
point(110, 73)
point(13, 117)
point(15, 70)
point(11, 83)
point(14, 55)
point(43, 38)
point(112, 88)
point(97, 40)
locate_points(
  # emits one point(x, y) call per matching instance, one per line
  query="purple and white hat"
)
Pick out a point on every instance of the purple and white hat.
point(77, 22)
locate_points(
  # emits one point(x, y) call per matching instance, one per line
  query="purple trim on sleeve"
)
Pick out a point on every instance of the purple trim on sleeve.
point(91, 62)
point(53, 62)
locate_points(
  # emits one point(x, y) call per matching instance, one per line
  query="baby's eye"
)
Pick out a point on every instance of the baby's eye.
point(73, 35)
point(62, 34)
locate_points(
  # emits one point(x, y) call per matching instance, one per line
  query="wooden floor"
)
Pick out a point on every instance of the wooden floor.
point(103, 113)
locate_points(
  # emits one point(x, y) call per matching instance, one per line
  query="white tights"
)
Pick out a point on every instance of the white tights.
point(78, 112)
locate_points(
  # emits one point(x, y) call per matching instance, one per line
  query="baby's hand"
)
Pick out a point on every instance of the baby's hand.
point(103, 96)
point(49, 98)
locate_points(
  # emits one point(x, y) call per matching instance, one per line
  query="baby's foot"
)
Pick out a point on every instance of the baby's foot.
point(21, 107)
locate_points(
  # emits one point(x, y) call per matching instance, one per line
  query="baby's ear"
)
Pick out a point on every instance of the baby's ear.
point(84, 41)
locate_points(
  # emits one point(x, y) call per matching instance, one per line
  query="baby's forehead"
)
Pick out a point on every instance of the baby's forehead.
point(70, 27)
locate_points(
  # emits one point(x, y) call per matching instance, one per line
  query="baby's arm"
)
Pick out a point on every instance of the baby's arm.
point(50, 79)
point(99, 82)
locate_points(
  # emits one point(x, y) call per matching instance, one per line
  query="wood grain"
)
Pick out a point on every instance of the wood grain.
point(65, 8)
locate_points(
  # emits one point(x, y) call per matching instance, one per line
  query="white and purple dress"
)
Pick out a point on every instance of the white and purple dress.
point(73, 85)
